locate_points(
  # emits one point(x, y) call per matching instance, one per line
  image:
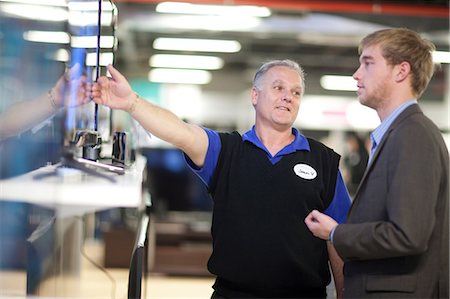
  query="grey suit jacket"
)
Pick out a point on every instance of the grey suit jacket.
point(395, 243)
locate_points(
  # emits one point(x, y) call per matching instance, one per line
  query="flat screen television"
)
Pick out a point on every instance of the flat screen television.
point(172, 184)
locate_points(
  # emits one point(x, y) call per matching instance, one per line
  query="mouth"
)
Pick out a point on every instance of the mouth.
point(283, 108)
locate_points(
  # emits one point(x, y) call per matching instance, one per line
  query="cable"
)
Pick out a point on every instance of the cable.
point(95, 264)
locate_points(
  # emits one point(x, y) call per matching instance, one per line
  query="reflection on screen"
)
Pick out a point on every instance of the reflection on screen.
point(28, 69)
point(39, 43)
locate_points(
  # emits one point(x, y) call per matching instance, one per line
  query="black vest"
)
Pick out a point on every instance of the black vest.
point(261, 245)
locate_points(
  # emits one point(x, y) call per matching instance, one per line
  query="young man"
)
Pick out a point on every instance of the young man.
point(263, 184)
point(395, 243)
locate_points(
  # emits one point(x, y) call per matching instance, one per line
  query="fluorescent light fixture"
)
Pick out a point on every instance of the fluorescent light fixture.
point(90, 42)
point(105, 59)
point(180, 76)
point(60, 37)
point(39, 2)
point(53, 37)
point(344, 83)
point(35, 12)
point(61, 55)
point(89, 18)
point(441, 57)
point(199, 45)
point(219, 10)
point(86, 13)
point(90, 6)
point(216, 23)
point(186, 61)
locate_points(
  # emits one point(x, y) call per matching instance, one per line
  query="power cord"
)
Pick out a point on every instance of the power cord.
point(94, 263)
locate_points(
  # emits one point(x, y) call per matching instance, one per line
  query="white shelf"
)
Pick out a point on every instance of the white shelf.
point(72, 192)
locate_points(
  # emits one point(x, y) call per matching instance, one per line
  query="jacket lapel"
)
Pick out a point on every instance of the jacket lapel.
point(413, 109)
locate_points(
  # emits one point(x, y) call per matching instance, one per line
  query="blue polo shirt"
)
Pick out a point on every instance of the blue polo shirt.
point(338, 207)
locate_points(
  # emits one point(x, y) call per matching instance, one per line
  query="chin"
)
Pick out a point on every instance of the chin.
point(362, 100)
point(285, 125)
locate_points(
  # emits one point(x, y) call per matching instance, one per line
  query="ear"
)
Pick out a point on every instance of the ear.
point(403, 69)
point(254, 96)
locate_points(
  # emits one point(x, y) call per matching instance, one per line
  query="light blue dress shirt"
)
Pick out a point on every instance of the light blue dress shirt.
point(379, 132)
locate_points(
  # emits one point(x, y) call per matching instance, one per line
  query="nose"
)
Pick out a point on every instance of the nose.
point(287, 96)
point(356, 75)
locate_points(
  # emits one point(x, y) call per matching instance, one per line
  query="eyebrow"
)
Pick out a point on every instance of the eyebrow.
point(278, 81)
point(366, 57)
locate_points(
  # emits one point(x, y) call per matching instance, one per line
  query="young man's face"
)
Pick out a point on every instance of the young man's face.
point(374, 77)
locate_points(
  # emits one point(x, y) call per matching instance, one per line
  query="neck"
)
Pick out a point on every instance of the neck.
point(398, 96)
point(386, 110)
point(275, 140)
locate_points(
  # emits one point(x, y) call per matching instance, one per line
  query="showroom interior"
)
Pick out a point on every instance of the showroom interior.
point(149, 230)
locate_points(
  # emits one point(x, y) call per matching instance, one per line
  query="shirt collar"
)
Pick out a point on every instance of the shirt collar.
point(300, 142)
point(379, 132)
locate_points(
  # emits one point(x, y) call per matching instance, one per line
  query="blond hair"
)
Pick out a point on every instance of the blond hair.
point(402, 44)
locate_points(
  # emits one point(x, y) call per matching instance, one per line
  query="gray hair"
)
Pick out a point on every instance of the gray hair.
point(273, 63)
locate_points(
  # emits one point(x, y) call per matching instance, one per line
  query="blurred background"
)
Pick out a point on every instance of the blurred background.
point(196, 58)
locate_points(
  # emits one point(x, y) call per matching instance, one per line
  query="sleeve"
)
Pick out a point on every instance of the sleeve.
point(341, 202)
point(206, 172)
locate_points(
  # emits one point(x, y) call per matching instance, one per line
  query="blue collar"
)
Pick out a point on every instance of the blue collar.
point(300, 143)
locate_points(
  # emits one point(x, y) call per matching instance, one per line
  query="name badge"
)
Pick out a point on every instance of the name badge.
point(305, 171)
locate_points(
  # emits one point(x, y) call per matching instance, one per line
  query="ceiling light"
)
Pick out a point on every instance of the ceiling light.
point(344, 83)
point(89, 18)
point(441, 57)
point(35, 12)
point(106, 58)
point(186, 61)
point(91, 6)
point(90, 42)
point(39, 2)
point(220, 10)
point(200, 45)
point(54, 37)
point(217, 23)
point(61, 55)
point(179, 76)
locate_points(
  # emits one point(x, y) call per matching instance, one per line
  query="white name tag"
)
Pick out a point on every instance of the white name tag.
point(305, 171)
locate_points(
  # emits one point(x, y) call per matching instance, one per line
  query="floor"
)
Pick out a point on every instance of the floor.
point(96, 282)
point(94, 286)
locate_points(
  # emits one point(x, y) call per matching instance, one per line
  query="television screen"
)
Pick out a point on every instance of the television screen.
point(172, 184)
